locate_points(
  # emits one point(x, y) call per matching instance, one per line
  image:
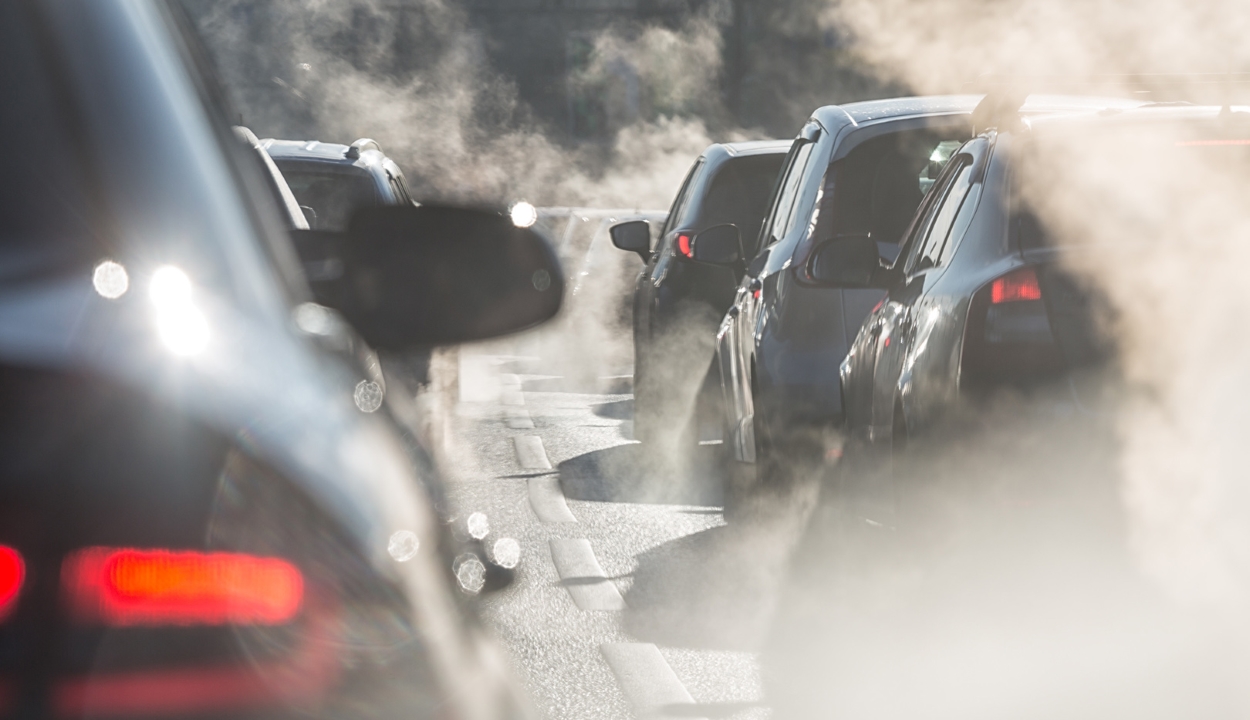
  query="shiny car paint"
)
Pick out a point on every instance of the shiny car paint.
point(250, 439)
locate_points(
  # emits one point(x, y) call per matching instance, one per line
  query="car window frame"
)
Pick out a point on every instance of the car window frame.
point(682, 200)
point(791, 178)
point(963, 168)
point(919, 230)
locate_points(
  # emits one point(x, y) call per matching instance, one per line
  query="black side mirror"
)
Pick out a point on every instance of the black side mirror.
point(848, 262)
point(633, 236)
point(718, 245)
point(433, 275)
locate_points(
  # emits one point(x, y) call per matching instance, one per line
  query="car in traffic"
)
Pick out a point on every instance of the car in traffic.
point(857, 170)
point(678, 303)
point(207, 510)
point(981, 299)
point(333, 180)
point(860, 168)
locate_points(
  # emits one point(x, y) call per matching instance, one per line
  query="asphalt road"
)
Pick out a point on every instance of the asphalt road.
point(633, 597)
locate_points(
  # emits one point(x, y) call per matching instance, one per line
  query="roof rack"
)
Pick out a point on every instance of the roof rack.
point(362, 145)
point(1005, 94)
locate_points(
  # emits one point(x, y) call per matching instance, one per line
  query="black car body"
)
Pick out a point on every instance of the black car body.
point(335, 179)
point(854, 169)
point(678, 303)
point(206, 510)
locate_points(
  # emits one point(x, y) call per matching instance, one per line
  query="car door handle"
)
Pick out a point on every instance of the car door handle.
point(733, 311)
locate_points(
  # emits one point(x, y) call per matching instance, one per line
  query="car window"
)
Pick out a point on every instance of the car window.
point(682, 200)
point(915, 243)
point(782, 220)
point(937, 236)
point(739, 195)
point(333, 196)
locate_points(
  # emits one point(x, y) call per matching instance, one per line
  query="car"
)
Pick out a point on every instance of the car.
point(979, 300)
point(678, 303)
point(207, 511)
point(860, 168)
point(856, 170)
point(332, 179)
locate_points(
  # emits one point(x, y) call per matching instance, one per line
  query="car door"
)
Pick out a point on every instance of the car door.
point(746, 316)
point(892, 330)
point(661, 255)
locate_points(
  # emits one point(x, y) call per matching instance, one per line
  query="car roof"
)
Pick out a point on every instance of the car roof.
point(870, 111)
point(757, 147)
point(1145, 113)
point(369, 156)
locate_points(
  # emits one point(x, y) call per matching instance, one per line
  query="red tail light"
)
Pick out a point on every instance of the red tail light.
point(683, 245)
point(12, 575)
point(163, 587)
point(1015, 287)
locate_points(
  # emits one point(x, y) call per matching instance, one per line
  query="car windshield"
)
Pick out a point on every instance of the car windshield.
point(332, 194)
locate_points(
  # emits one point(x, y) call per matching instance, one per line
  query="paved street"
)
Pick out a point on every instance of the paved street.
point(630, 601)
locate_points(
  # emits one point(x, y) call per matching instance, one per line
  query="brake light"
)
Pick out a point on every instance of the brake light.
point(683, 245)
point(164, 587)
point(1015, 287)
point(12, 575)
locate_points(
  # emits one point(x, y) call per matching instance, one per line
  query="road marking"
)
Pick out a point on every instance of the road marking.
point(583, 576)
point(548, 502)
point(645, 677)
point(517, 418)
point(530, 453)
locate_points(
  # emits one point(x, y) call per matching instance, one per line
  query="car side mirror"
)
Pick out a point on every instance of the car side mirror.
point(633, 236)
point(847, 262)
point(409, 276)
point(718, 245)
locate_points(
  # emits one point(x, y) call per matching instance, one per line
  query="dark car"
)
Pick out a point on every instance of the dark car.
point(206, 510)
point(979, 300)
point(858, 169)
point(333, 179)
point(679, 303)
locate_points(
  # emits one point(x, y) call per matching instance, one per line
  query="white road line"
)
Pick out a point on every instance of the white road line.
point(530, 453)
point(517, 418)
point(648, 682)
point(548, 502)
point(583, 577)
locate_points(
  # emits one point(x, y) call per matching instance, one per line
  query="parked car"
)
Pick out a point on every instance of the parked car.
point(678, 303)
point(334, 180)
point(206, 511)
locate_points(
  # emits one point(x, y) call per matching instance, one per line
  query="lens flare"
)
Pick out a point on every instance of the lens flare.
point(110, 280)
point(523, 214)
point(181, 326)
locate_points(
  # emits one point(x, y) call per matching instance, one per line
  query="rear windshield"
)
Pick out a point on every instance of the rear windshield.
point(332, 194)
point(739, 193)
